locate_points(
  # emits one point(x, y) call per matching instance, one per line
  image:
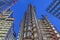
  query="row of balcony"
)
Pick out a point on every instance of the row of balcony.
point(48, 30)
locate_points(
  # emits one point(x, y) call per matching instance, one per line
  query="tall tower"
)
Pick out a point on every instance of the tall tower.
point(6, 4)
point(29, 27)
point(6, 22)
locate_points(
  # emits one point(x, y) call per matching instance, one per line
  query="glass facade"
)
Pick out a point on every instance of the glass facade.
point(29, 31)
point(5, 4)
point(54, 8)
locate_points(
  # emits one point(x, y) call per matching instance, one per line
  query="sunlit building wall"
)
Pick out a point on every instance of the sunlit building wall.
point(6, 22)
point(48, 30)
point(6, 26)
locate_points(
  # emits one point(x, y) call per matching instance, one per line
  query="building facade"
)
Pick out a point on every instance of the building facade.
point(54, 8)
point(6, 27)
point(29, 27)
point(6, 22)
point(48, 30)
point(36, 29)
point(6, 4)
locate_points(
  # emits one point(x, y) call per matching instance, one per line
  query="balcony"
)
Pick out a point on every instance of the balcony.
point(7, 14)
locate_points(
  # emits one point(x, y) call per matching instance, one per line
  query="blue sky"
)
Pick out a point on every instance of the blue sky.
point(41, 5)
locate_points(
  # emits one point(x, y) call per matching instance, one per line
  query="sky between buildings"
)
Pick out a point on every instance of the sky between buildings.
point(41, 5)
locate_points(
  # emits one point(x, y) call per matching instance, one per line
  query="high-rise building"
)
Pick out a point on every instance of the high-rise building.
point(48, 30)
point(6, 4)
point(32, 28)
point(29, 27)
point(6, 22)
point(6, 29)
point(54, 8)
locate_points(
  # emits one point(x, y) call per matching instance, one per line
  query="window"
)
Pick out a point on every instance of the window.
point(25, 34)
point(1, 3)
point(29, 23)
point(34, 29)
point(29, 33)
point(25, 24)
point(33, 25)
point(25, 28)
point(35, 35)
point(29, 28)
